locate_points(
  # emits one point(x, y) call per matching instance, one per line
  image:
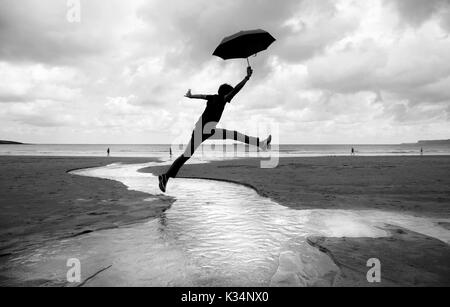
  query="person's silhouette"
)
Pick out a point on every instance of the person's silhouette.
point(205, 127)
point(107, 152)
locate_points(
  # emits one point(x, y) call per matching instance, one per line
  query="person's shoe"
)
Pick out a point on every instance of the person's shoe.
point(265, 145)
point(162, 182)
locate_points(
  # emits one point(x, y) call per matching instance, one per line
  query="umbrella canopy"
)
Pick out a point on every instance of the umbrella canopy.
point(243, 44)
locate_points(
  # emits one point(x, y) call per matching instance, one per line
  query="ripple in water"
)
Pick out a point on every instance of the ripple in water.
point(215, 234)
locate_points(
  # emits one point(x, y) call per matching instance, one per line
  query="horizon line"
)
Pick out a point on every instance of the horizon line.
point(168, 144)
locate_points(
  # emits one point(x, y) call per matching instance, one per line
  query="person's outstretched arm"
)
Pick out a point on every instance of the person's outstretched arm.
point(192, 96)
point(239, 86)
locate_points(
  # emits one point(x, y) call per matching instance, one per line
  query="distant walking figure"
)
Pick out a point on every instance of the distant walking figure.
point(421, 151)
point(170, 152)
point(205, 128)
point(107, 152)
point(353, 151)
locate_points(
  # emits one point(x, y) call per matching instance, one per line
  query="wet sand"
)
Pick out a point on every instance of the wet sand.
point(407, 259)
point(413, 185)
point(40, 201)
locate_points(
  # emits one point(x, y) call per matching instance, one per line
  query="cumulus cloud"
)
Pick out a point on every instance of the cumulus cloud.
point(416, 12)
point(39, 31)
point(28, 83)
point(190, 30)
point(42, 113)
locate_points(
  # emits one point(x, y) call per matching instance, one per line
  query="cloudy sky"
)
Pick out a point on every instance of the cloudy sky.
point(373, 71)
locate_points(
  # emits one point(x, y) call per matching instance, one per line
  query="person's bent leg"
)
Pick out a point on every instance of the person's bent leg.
point(176, 165)
point(179, 162)
point(191, 147)
point(196, 140)
point(172, 171)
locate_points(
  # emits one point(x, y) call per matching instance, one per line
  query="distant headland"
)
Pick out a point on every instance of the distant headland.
point(2, 142)
point(431, 142)
point(434, 142)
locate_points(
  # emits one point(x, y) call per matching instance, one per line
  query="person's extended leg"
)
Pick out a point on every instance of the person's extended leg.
point(224, 134)
point(191, 147)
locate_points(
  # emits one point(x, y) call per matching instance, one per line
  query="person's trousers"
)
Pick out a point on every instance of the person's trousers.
point(198, 138)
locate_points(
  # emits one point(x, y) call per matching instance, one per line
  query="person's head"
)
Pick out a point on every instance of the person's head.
point(224, 89)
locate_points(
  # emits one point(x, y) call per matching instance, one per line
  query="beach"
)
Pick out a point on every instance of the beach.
point(41, 202)
point(418, 186)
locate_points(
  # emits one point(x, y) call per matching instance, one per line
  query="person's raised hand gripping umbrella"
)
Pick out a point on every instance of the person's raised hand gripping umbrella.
point(240, 45)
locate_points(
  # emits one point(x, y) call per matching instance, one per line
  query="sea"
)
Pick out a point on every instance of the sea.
point(217, 151)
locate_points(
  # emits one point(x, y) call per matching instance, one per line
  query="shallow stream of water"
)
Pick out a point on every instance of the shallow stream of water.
point(214, 234)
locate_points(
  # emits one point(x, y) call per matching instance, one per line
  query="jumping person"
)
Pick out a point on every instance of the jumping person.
point(205, 128)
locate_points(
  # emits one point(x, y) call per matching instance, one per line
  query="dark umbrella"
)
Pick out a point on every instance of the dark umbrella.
point(244, 44)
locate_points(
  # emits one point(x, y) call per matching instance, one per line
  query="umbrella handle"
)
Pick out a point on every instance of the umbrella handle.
point(248, 63)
